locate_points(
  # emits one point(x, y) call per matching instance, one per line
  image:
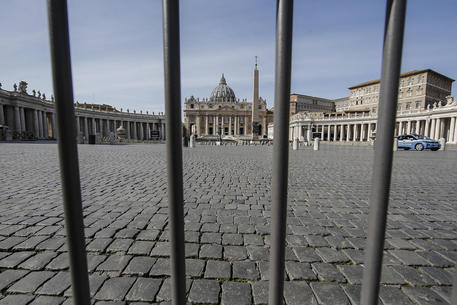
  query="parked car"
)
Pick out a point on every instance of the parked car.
point(417, 142)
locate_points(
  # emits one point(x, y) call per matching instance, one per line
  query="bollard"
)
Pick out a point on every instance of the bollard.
point(192, 141)
point(443, 144)
point(316, 143)
point(395, 144)
point(295, 144)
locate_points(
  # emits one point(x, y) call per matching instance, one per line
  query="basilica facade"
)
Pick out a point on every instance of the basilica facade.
point(226, 116)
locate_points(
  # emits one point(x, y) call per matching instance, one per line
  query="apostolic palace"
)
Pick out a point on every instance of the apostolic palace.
point(425, 106)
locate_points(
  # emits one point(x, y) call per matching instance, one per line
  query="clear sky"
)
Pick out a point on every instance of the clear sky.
point(116, 46)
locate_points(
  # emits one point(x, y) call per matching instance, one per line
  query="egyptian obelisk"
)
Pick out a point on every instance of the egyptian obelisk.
point(255, 104)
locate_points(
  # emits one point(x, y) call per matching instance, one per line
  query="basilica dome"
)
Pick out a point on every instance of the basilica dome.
point(223, 93)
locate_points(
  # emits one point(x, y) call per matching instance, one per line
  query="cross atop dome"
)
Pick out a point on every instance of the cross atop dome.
point(222, 81)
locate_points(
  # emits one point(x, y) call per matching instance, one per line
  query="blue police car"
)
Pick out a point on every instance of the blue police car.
point(417, 142)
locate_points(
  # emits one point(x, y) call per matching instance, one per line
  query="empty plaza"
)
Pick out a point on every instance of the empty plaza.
point(227, 192)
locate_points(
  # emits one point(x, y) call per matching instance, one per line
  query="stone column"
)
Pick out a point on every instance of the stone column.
point(86, 129)
point(53, 125)
point(36, 124)
point(335, 133)
point(230, 126)
point(206, 124)
point(128, 129)
point(409, 127)
point(442, 128)
point(2, 115)
point(348, 133)
point(135, 133)
point(455, 131)
point(22, 119)
point(100, 126)
point(94, 130)
point(427, 128)
point(198, 125)
point(309, 134)
point(78, 128)
point(452, 130)
point(141, 125)
point(265, 127)
point(356, 132)
point(417, 127)
point(432, 129)
point(164, 131)
point(40, 124)
point(17, 119)
point(341, 133)
point(437, 129)
point(45, 125)
point(148, 131)
point(400, 128)
point(362, 132)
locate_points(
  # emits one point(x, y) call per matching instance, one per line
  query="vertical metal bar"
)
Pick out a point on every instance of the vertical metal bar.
point(382, 168)
point(68, 155)
point(284, 14)
point(454, 289)
point(172, 59)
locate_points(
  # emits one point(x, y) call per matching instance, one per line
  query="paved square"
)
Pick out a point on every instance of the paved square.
point(227, 222)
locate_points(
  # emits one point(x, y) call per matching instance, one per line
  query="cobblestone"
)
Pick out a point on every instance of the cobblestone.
point(227, 221)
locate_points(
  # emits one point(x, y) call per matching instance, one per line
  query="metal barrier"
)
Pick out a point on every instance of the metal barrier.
point(382, 168)
point(280, 170)
point(68, 155)
point(174, 147)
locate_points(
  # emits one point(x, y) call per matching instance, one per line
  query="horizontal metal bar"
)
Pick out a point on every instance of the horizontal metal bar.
point(171, 52)
point(382, 167)
point(280, 165)
point(68, 155)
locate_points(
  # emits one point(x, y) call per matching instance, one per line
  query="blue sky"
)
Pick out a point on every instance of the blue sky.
point(116, 46)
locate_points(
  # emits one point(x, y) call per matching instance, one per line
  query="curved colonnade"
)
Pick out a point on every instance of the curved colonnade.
point(438, 122)
point(26, 117)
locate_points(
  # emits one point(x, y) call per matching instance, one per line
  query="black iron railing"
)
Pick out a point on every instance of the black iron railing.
point(382, 168)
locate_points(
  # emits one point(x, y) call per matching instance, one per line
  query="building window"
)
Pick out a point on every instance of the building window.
point(192, 106)
point(373, 110)
point(210, 119)
point(398, 107)
point(241, 119)
point(418, 105)
point(408, 106)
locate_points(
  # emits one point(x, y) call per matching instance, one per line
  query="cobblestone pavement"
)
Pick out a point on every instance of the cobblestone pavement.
point(227, 223)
